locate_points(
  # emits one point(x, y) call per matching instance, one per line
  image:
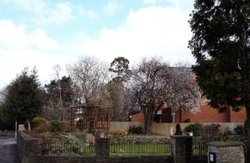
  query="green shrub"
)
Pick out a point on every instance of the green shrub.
point(120, 132)
point(44, 127)
point(135, 130)
point(55, 125)
point(239, 130)
point(195, 128)
point(38, 121)
point(210, 132)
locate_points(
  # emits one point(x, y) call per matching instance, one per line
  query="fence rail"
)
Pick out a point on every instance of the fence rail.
point(131, 148)
point(200, 150)
point(67, 148)
point(128, 148)
point(142, 148)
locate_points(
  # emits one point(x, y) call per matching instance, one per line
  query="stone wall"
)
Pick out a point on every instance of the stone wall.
point(28, 147)
point(226, 152)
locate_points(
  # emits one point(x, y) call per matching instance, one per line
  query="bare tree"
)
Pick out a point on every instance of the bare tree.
point(90, 76)
point(150, 79)
point(58, 70)
point(155, 82)
point(182, 92)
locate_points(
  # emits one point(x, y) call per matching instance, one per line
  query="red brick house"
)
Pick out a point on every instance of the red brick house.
point(205, 114)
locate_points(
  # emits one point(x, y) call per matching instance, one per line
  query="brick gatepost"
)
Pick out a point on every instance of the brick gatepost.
point(182, 148)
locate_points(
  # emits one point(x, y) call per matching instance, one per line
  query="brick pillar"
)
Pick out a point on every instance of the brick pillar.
point(102, 147)
point(181, 148)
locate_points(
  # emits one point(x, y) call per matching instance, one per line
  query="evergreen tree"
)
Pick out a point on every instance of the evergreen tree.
point(120, 67)
point(221, 46)
point(57, 104)
point(24, 98)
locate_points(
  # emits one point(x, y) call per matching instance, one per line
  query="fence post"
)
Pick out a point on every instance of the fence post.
point(102, 146)
point(181, 148)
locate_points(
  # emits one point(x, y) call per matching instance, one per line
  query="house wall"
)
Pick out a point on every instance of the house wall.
point(209, 114)
point(205, 114)
point(139, 117)
point(238, 116)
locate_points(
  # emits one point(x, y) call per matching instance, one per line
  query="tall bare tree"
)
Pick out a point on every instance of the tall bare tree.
point(150, 78)
point(155, 82)
point(90, 75)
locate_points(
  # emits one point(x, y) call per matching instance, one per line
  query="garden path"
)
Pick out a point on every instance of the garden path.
point(8, 150)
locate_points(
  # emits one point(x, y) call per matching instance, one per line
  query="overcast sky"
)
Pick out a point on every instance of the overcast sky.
point(44, 33)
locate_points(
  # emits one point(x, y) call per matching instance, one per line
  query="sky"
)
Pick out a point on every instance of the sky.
point(45, 33)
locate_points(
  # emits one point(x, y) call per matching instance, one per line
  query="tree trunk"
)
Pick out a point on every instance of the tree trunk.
point(248, 132)
point(147, 123)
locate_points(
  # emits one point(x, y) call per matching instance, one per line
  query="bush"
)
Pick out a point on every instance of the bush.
point(120, 132)
point(195, 128)
point(135, 130)
point(55, 125)
point(44, 127)
point(38, 121)
point(64, 126)
point(210, 132)
point(239, 130)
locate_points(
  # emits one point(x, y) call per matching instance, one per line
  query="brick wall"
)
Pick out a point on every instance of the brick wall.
point(206, 114)
point(28, 147)
point(29, 150)
point(99, 159)
point(209, 114)
point(238, 116)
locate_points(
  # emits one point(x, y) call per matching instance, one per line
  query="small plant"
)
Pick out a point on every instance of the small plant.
point(195, 128)
point(37, 121)
point(55, 125)
point(120, 132)
point(210, 132)
point(44, 127)
point(239, 130)
point(135, 130)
